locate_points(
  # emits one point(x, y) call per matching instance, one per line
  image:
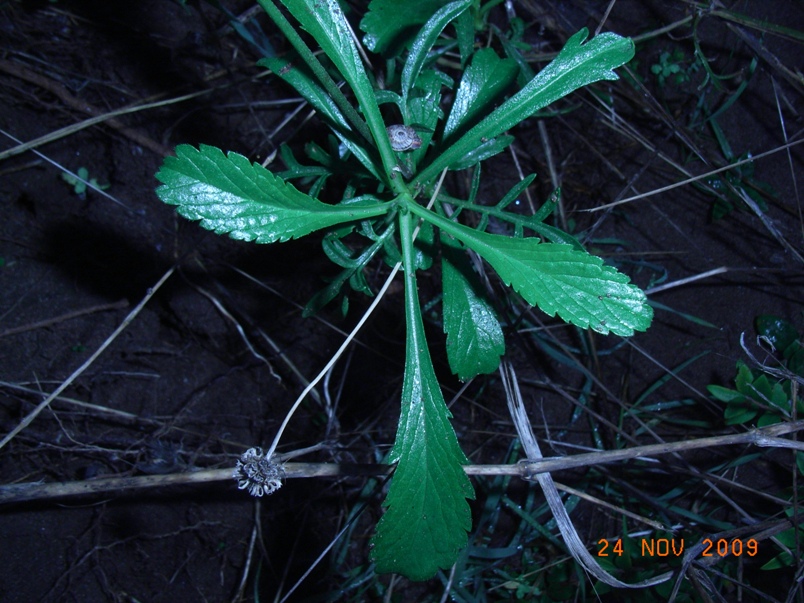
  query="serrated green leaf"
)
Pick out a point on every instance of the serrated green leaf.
point(230, 195)
point(575, 285)
point(557, 278)
point(427, 518)
point(556, 235)
point(390, 23)
point(424, 41)
point(475, 340)
point(486, 78)
point(577, 65)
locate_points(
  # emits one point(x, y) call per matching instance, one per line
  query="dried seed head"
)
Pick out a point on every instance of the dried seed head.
point(257, 473)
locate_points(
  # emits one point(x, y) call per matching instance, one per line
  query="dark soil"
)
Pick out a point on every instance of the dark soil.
point(195, 394)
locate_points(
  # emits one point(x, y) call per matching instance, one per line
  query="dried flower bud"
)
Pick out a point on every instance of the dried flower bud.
point(257, 473)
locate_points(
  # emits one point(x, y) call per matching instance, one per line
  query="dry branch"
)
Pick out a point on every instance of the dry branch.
point(526, 469)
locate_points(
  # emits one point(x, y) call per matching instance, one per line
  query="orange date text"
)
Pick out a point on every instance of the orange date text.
point(674, 547)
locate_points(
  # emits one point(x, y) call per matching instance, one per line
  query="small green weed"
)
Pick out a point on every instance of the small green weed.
point(82, 182)
point(393, 191)
point(789, 540)
point(770, 395)
point(673, 67)
point(758, 397)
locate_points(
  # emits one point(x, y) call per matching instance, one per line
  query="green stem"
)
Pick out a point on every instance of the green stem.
point(443, 223)
point(366, 212)
point(406, 239)
point(318, 69)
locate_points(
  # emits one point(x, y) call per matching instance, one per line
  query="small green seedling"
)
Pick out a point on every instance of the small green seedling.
point(83, 181)
point(384, 185)
point(790, 539)
point(760, 399)
point(671, 68)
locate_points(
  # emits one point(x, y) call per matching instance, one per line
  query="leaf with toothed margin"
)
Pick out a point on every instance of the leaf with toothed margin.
point(233, 196)
point(558, 278)
point(475, 339)
point(427, 517)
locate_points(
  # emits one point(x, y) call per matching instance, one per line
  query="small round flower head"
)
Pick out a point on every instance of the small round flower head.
point(257, 473)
